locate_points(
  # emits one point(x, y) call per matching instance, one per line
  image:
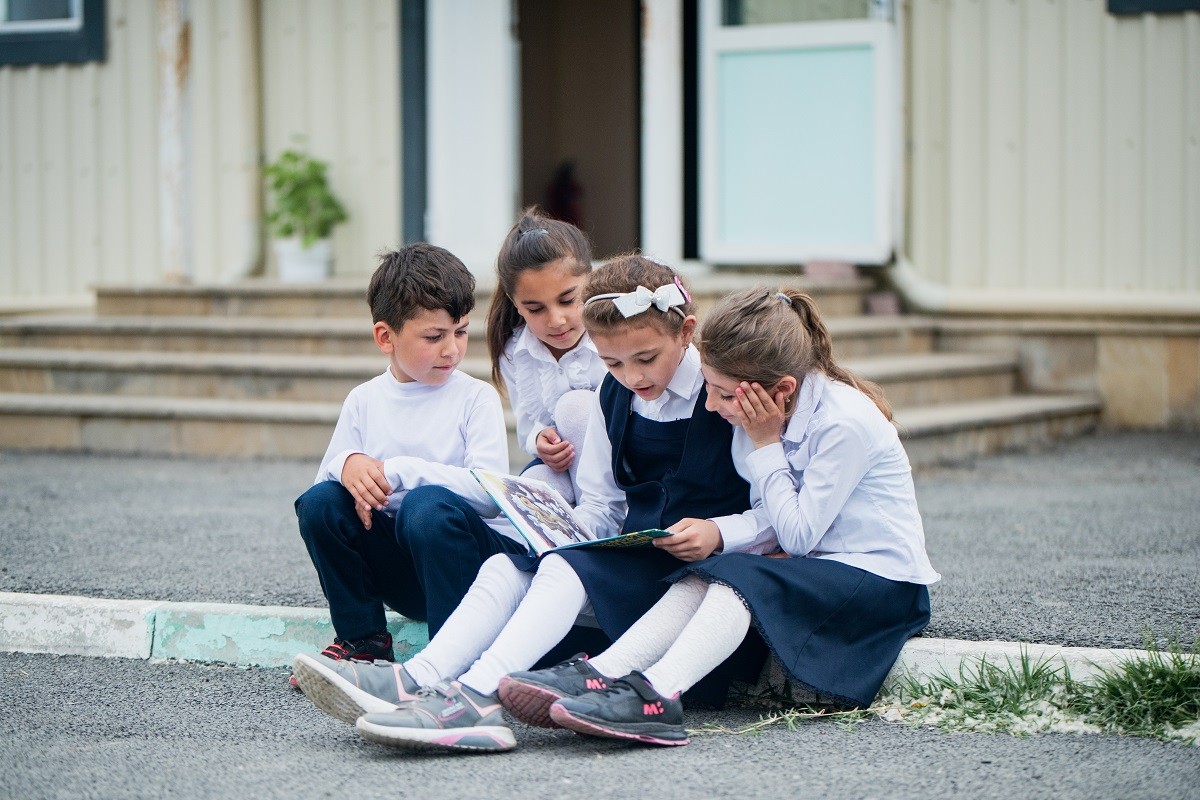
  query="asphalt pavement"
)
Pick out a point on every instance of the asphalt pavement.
point(1094, 543)
point(75, 727)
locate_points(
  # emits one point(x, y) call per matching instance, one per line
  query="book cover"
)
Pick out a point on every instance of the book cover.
point(545, 518)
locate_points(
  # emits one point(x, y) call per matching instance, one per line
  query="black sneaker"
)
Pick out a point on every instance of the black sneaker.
point(528, 695)
point(628, 709)
point(377, 647)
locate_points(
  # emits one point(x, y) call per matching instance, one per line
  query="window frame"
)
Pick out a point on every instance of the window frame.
point(29, 43)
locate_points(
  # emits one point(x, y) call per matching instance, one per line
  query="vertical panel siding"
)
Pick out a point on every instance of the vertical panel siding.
point(225, 151)
point(331, 77)
point(1060, 149)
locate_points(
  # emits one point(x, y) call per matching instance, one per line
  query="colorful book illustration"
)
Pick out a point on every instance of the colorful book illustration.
point(545, 518)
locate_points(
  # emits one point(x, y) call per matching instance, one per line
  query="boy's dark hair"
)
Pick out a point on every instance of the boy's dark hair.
point(419, 277)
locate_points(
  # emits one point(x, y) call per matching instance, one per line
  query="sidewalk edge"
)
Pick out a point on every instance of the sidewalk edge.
point(271, 636)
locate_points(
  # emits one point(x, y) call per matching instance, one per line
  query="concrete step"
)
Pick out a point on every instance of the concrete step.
point(853, 336)
point(347, 298)
point(259, 428)
point(951, 433)
point(909, 380)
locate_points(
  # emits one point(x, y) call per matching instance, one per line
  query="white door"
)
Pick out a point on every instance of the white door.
point(799, 130)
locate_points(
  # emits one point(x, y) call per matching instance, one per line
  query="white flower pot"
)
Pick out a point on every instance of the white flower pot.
point(299, 264)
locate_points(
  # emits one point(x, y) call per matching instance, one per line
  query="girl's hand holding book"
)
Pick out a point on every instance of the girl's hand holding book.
point(693, 539)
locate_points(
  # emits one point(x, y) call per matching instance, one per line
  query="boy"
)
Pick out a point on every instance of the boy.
point(397, 466)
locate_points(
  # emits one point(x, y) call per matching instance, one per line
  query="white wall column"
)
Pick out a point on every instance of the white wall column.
point(473, 134)
point(662, 130)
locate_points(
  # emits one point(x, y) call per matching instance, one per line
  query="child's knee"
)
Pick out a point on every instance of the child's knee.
point(320, 498)
point(426, 507)
point(571, 414)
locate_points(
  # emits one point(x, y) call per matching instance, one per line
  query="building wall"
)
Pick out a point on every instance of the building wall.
point(331, 76)
point(78, 169)
point(1053, 147)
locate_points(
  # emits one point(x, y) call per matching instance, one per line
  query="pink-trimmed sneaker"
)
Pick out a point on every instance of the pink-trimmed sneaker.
point(370, 648)
point(445, 716)
point(348, 688)
point(528, 695)
point(629, 709)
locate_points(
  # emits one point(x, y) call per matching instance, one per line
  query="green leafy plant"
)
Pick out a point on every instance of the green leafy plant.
point(302, 203)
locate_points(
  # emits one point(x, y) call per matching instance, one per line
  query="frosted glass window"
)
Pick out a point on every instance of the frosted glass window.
point(796, 158)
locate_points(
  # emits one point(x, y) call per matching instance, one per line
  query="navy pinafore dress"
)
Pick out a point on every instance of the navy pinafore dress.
point(668, 471)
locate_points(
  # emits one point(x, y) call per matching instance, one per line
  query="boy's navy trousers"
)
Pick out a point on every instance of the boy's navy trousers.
point(419, 563)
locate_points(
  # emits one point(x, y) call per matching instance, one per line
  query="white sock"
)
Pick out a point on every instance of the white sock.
point(648, 639)
point(561, 481)
point(475, 624)
point(543, 618)
point(714, 632)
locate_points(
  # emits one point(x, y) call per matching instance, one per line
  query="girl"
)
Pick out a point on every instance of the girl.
point(539, 347)
point(652, 449)
point(832, 488)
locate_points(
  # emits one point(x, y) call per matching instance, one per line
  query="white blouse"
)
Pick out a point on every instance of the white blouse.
point(535, 380)
point(838, 486)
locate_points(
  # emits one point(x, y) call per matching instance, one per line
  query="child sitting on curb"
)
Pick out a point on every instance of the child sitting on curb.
point(397, 467)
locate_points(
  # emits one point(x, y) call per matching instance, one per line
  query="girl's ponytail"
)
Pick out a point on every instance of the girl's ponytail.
point(502, 320)
point(752, 335)
point(822, 346)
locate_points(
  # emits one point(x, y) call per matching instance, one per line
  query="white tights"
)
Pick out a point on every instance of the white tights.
point(570, 420)
point(505, 623)
point(691, 630)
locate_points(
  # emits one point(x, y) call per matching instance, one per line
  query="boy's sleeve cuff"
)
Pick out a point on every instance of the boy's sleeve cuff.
point(333, 470)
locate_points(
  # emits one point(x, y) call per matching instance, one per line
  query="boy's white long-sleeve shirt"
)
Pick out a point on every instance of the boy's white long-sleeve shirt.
point(838, 486)
point(535, 380)
point(424, 435)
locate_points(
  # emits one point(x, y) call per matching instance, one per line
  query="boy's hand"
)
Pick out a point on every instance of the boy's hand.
point(761, 415)
point(694, 539)
point(363, 477)
point(557, 453)
point(365, 514)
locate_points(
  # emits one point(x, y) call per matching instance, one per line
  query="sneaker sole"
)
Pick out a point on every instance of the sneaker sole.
point(529, 702)
point(483, 739)
point(606, 730)
point(333, 694)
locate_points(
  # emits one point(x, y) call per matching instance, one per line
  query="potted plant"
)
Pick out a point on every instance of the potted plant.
point(303, 213)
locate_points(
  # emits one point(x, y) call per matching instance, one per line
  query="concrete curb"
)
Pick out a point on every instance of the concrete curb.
point(270, 636)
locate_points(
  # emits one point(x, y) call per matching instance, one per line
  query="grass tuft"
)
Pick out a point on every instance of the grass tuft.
point(1155, 696)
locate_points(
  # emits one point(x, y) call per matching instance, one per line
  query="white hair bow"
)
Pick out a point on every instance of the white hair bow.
point(630, 304)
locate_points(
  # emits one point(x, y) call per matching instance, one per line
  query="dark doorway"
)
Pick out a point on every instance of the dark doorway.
point(581, 117)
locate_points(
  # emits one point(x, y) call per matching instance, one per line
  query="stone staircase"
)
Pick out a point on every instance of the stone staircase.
point(260, 369)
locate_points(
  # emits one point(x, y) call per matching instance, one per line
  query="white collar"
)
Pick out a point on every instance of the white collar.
point(812, 389)
point(537, 348)
point(687, 375)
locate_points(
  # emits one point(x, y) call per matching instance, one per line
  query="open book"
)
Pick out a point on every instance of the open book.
point(544, 517)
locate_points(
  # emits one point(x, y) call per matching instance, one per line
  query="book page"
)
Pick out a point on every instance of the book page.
point(539, 512)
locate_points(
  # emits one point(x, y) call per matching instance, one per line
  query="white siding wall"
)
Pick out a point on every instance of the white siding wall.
point(331, 75)
point(1054, 146)
point(226, 184)
point(78, 188)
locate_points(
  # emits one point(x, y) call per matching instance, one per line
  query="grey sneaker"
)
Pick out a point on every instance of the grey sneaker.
point(348, 689)
point(445, 716)
point(528, 695)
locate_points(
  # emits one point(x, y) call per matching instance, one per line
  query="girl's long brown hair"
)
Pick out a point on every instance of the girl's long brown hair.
point(756, 335)
point(532, 243)
point(624, 273)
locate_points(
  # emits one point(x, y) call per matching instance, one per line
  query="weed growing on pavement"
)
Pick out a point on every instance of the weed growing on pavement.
point(1154, 696)
point(1157, 696)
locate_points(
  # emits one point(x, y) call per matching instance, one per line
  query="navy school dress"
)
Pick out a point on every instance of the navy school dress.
point(836, 629)
point(668, 471)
